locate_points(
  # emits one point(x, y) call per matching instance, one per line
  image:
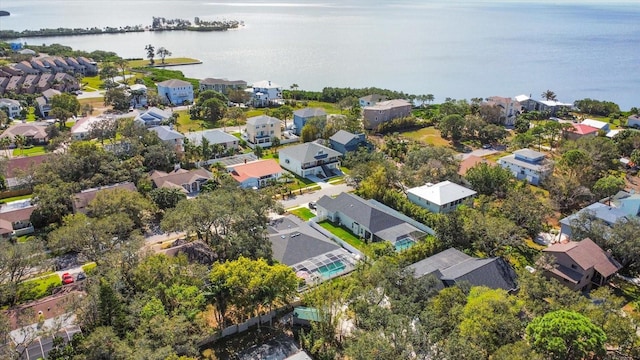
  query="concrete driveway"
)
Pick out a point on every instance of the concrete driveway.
point(328, 189)
point(479, 153)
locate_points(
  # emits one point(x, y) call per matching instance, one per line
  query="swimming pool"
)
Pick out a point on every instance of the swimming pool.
point(404, 244)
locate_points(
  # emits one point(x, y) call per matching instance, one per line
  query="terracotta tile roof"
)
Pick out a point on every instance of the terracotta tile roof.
point(583, 129)
point(470, 162)
point(255, 169)
point(587, 255)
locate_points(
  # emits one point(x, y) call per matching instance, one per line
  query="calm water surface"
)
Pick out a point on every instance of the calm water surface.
point(458, 49)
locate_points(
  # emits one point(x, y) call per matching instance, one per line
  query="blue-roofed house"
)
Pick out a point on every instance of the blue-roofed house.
point(453, 267)
point(529, 165)
point(302, 116)
point(175, 91)
point(344, 141)
point(627, 202)
point(607, 214)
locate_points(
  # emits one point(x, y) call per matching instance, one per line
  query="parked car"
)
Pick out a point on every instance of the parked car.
point(486, 146)
point(312, 205)
point(67, 278)
point(81, 276)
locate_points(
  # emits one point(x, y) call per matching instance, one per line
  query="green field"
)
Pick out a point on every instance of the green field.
point(158, 62)
point(33, 151)
point(428, 135)
point(92, 82)
point(303, 213)
point(39, 287)
point(347, 236)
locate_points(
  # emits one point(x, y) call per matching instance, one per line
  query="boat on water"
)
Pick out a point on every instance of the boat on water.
point(4, 13)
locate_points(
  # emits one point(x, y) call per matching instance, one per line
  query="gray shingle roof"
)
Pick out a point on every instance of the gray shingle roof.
point(343, 137)
point(165, 133)
point(309, 152)
point(454, 266)
point(294, 242)
point(310, 112)
point(262, 120)
point(215, 136)
point(173, 83)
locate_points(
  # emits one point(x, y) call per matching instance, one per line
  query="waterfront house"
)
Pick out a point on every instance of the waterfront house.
point(153, 117)
point(90, 65)
point(580, 265)
point(188, 181)
point(366, 220)
point(453, 267)
point(442, 197)
point(82, 199)
point(256, 174)
point(228, 142)
point(344, 141)
point(312, 255)
point(371, 100)
point(77, 67)
point(529, 165)
point(12, 107)
point(302, 116)
point(169, 136)
point(222, 85)
point(26, 68)
point(265, 93)
point(261, 130)
point(310, 159)
point(34, 132)
point(176, 92)
point(549, 106)
point(385, 111)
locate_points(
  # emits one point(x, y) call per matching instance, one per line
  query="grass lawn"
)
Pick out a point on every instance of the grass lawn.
point(185, 124)
point(330, 108)
point(303, 213)
point(495, 157)
point(36, 150)
point(145, 62)
point(31, 115)
point(87, 268)
point(347, 236)
point(39, 287)
point(256, 112)
point(92, 82)
point(15, 198)
point(428, 135)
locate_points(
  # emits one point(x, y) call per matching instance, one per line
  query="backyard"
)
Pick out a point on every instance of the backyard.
point(347, 236)
point(30, 151)
point(303, 213)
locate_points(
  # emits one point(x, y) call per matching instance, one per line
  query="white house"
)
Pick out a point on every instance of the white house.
point(265, 93)
point(509, 108)
point(442, 197)
point(255, 173)
point(260, 130)
point(82, 128)
point(600, 125)
point(214, 137)
point(13, 107)
point(633, 121)
point(310, 159)
point(176, 91)
point(138, 93)
point(526, 164)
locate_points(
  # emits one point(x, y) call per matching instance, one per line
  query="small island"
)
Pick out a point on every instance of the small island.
point(158, 24)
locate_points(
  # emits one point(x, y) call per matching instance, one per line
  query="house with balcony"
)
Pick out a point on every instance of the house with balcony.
point(310, 159)
point(175, 91)
point(580, 265)
point(261, 130)
point(15, 219)
point(40, 66)
point(222, 85)
point(15, 84)
point(441, 198)
point(509, 108)
point(302, 116)
point(265, 93)
point(169, 136)
point(30, 84)
point(549, 106)
point(255, 174)
point(385, 111)
point(527, 164)
point(12, 107)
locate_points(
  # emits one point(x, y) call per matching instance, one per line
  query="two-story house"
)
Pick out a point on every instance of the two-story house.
point(580, 265)
point(12, 107)
point(310, 159)
point(509, 108)
point(529, 165)
point(371, 100)
point(385, 111)
point(442, 197)
point(344, 141)
point(302, 116)
point(222, 85)
point(265, 93)
point(138, 95)
point(175, 91)
point(261, 130)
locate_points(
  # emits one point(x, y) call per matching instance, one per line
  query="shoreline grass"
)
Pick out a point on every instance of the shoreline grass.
point(167, 61)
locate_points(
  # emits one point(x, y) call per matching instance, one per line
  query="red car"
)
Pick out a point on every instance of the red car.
point(67, 278)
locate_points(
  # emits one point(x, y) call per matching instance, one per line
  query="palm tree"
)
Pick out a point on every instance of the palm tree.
point(549, 95)
point(294, 87)
point(5, 142)
point(430, 98)
point(163, 53)
point(122, 64)
point(20, 141)
point(151, 51)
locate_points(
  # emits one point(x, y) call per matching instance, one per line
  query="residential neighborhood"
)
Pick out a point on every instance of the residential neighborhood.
point(204, 217)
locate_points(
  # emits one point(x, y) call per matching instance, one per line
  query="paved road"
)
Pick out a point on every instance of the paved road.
point(329, 190)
